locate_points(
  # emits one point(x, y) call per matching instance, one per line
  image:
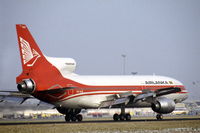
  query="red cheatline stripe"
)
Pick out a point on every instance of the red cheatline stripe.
point(70, 97)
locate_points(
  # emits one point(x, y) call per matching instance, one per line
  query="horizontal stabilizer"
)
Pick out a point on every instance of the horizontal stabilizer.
point(14, 96)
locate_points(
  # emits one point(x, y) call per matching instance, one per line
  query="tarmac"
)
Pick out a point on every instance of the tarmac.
point(33, 122)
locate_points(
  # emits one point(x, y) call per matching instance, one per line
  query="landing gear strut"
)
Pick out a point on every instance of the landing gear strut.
point(123, 116)
point(159, 116)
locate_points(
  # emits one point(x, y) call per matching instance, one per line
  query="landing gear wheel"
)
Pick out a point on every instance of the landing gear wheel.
point(115, 117)
point(159, 116)
point(79, 117)
point(67, 118)
point(73, 118)
point(128, 117)
point(122, 117)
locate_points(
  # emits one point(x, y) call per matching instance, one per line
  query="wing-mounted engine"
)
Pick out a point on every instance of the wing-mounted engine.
point(159, 104)
point(64, 65)
point(163, 105)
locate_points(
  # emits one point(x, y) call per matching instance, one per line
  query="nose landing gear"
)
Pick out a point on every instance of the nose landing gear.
point(159, 116)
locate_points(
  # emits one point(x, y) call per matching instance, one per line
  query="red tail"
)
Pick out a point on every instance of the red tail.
point(37, 71)
point(30, 53)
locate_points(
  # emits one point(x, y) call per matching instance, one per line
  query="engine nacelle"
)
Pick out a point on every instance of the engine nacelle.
point(163, 105)
point(26, 86)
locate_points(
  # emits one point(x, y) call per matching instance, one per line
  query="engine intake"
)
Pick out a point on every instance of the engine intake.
point(26, 86)
point(163, 105)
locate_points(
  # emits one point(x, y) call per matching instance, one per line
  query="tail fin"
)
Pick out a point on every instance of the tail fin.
point(29, 51)
point(36, 68)
point(38, 73)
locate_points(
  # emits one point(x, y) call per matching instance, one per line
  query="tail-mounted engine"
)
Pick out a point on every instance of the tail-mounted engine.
point(26, 86)
point(163, 105)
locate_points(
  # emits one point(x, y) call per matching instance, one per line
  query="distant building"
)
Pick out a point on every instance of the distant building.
point(193, 107)
point(180, 109)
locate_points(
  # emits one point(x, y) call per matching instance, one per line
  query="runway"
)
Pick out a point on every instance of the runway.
point(34, 122)
point(104, 125)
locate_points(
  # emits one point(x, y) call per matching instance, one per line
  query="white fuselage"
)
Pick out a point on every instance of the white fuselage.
point(104, 86)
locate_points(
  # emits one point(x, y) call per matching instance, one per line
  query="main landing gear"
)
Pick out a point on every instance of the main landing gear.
point(73, 117)
point(123, 116)
point(70, 114)
point(159, 116)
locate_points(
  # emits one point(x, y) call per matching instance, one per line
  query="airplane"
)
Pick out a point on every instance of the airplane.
point(52, 80)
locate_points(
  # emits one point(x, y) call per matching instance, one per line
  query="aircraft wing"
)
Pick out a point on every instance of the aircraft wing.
point(122, 98)
point(129, 97)
point(148, 95)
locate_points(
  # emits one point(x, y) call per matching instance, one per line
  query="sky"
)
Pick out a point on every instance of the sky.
point(158, 37)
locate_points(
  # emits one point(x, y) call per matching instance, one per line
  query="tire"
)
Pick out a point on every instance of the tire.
point(128, 117)
point(159, 116)
point(79, 117)
point(122, 117)
point(115, 117)
point(67, 118)
point(73, 118)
